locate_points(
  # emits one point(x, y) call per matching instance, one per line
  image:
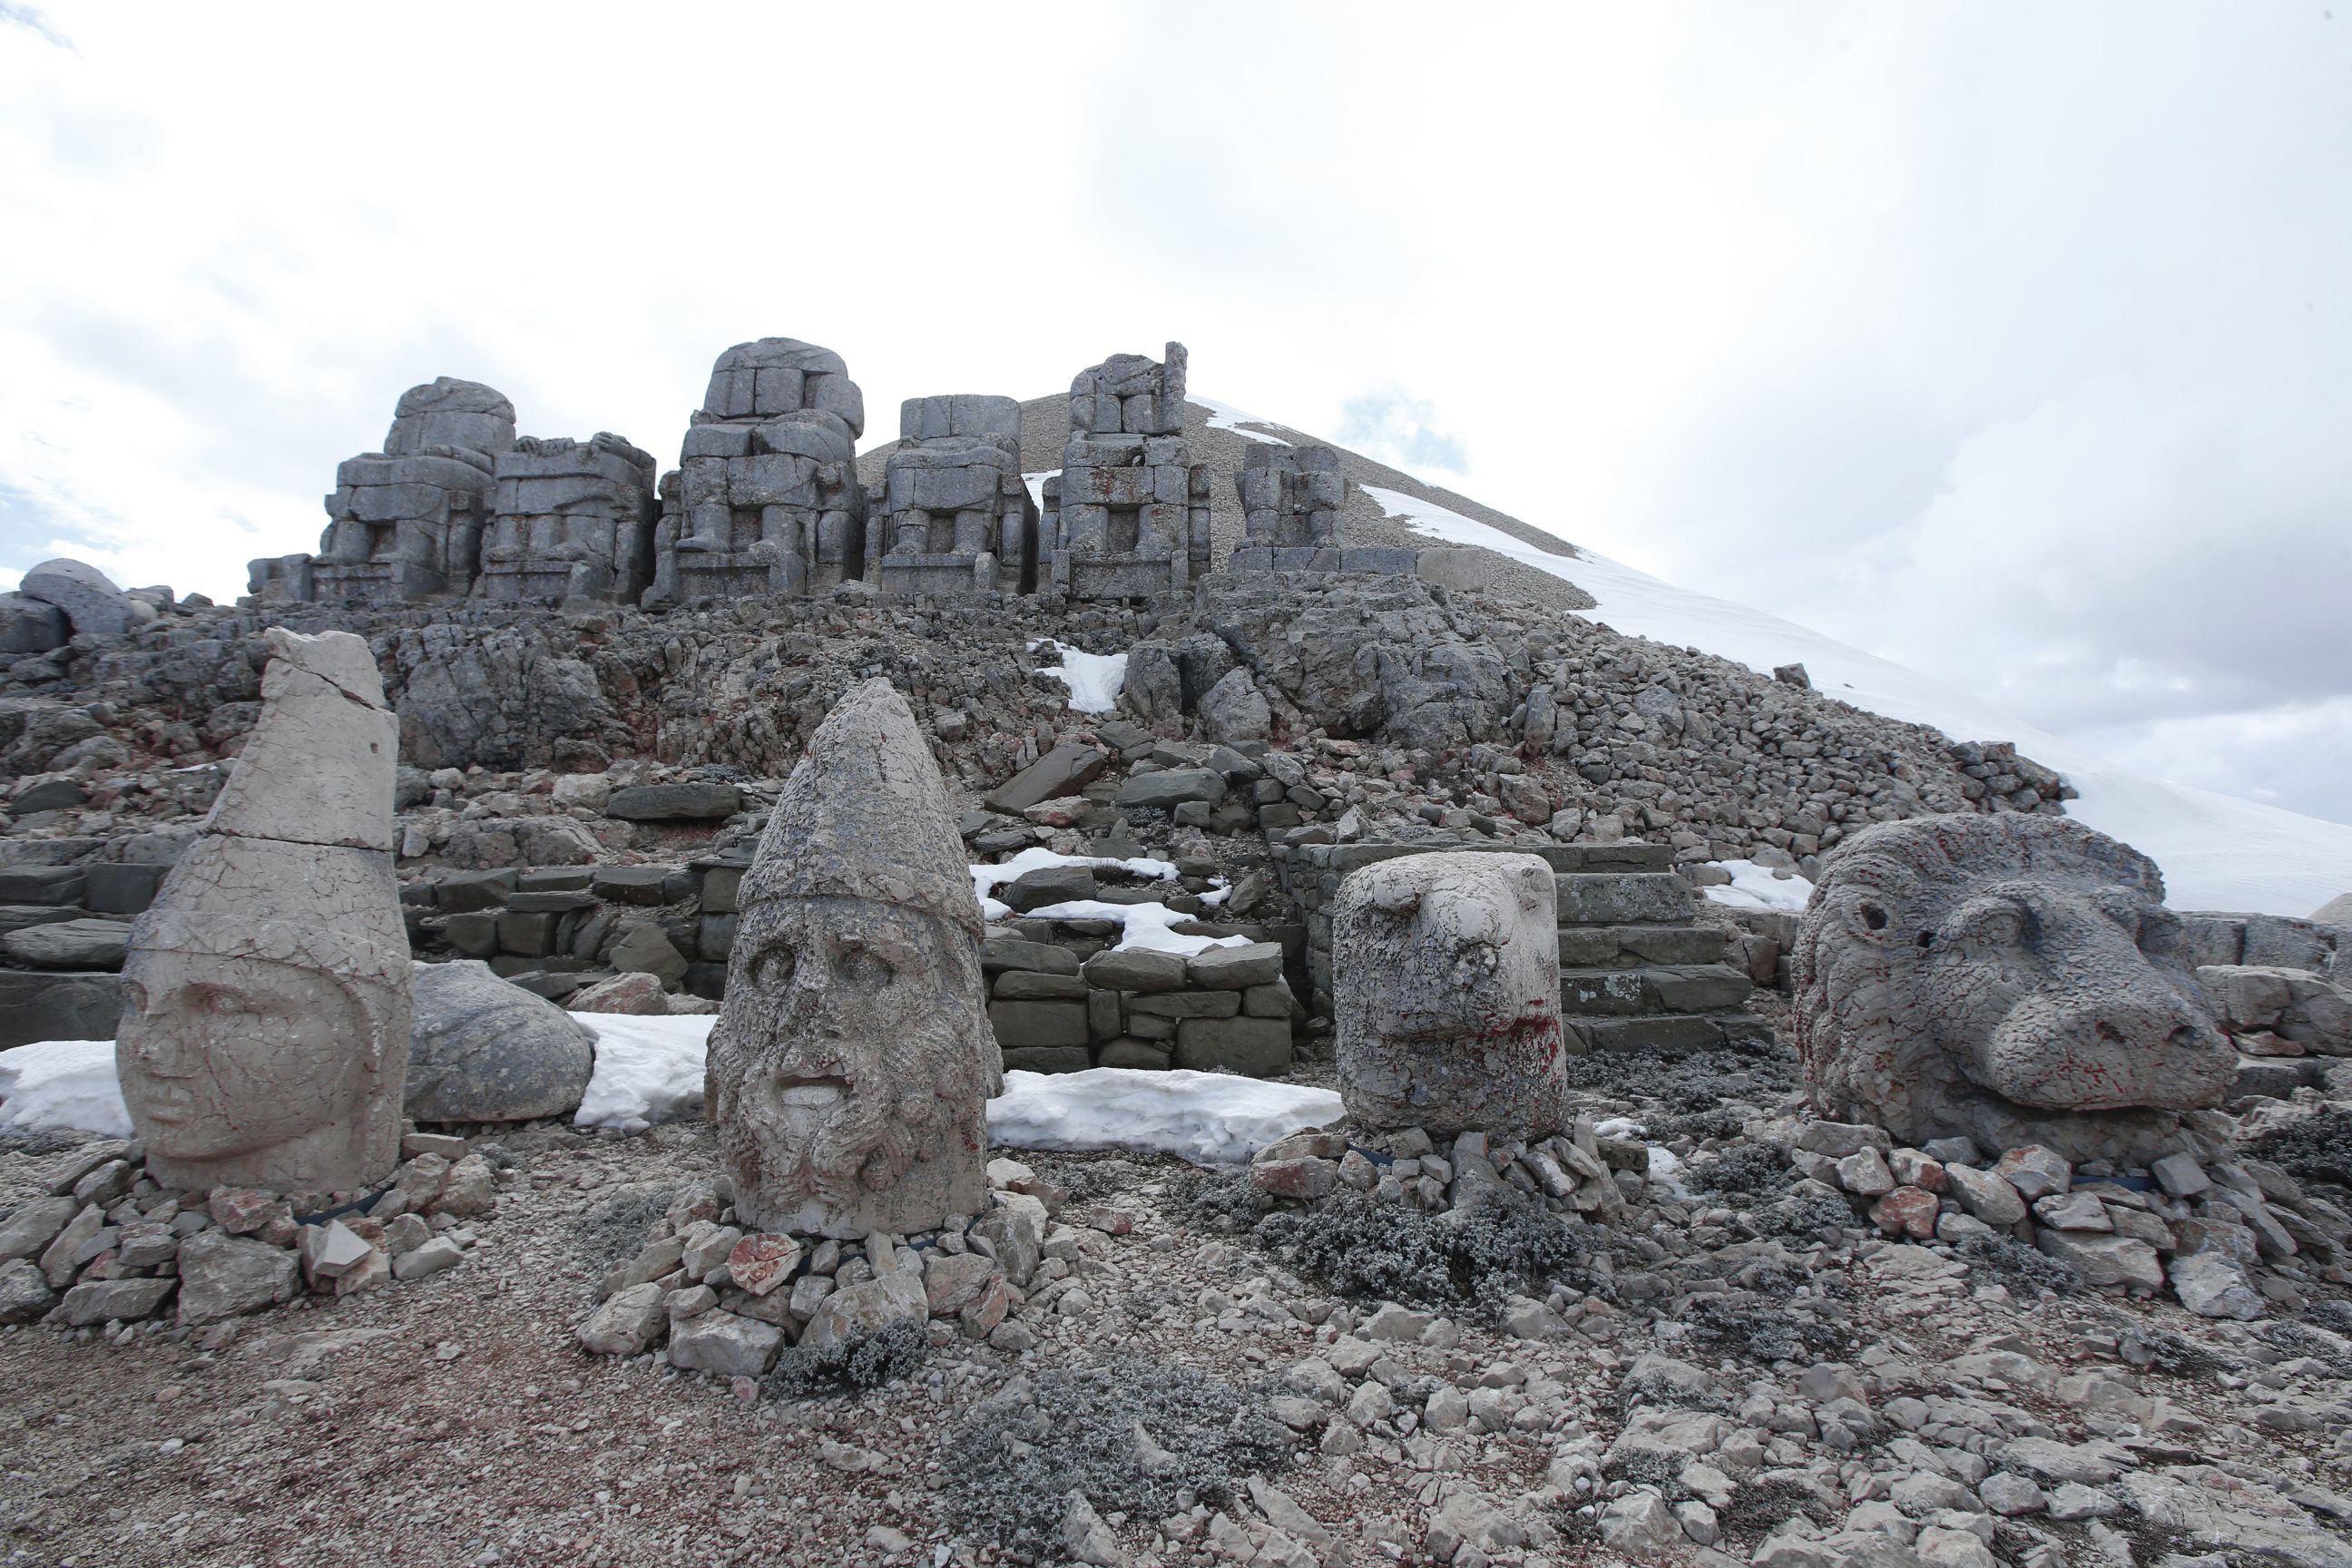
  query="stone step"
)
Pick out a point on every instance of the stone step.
point(1670, 1035)
point(1624, 898)
point(1635, 946)
point(1665, 989)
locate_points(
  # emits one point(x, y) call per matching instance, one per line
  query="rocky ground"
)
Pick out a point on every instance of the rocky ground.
point(1747, 1373)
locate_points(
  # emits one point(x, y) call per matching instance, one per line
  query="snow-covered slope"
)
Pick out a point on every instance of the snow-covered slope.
point(2218, 851)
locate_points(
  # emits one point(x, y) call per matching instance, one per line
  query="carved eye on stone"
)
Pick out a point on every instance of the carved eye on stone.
point(775, 966)
point(862, 968)
point(2002, 927)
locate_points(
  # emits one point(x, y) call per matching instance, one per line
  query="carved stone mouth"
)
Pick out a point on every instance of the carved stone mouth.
point(812, 1093)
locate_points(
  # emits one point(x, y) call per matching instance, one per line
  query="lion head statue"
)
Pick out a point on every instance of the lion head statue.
point(2015, 979)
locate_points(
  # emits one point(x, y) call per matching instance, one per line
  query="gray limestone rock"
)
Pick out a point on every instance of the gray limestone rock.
point(1064, 770)
point(1445, 976)
point(28, 1232)
point(853, 1058)
point(25, 1295)
point(69, 944)
point(857, 1311)
point(222, 1276)
point(2009, 978)
point(57, 1006)
point(86, 595)
point(645, 949)
point(726, 1343)
point(1235, 709)
point(675, 803)
point(1171, 787)
point(628, 1322)
point(112, 1300)
point(266, 1037)
point(28, 624)
point(483, 1050)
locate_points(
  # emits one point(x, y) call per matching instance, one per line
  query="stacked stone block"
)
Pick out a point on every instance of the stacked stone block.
point(767, 498)
point(1636, 970)
point(406, 523)
point(1127, 517)
point(1292, 498)
point(955, 514)
point(1227, 1009)
point(572, 519)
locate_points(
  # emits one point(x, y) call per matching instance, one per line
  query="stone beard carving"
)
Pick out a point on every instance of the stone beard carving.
point(1445, 976)
point(266, 991)
point(2014, 979)
point(853, 1059)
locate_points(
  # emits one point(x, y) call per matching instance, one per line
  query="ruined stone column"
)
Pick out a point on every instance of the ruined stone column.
point(1445, 978)
point(266, 990)
point(853, 1058)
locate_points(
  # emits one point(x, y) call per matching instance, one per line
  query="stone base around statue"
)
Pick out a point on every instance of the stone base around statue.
point(937, 577)
point(1395, 561)
point(1073, 576)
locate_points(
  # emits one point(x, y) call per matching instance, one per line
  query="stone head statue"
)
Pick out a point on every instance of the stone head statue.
point(852, 1058)
point(1446, 980)
point(266, 991)
point(2015, 979)
point(266, 1015)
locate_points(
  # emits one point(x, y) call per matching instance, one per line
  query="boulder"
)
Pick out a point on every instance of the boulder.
point(1066, 770)
point(483, 1050)
point(862, 1310)
point(88, 598)
point(1171, 787)
point(675, 803)
point(726, 1343)
point(645, 949)
point(640, 994)
point(69, 944)
point(222, 1276)
point(31, 625)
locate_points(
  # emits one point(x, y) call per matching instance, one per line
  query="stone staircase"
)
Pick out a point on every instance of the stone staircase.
point(1637, 972)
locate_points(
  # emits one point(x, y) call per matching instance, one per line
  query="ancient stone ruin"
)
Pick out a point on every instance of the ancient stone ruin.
point(1446, 970)
point(852, 1056)
point(1292, 501)
point(571, 520)
point(265, 1034)
point(766, 499)
point(2011, 979)
point(955, 515)
point(406, 523)
point(1128, 516)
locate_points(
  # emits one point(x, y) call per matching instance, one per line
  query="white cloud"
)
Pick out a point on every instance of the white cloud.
point(2006, 340)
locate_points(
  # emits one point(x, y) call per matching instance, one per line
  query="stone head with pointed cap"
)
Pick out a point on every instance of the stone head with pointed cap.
point(853, 1058)
point(266, 991)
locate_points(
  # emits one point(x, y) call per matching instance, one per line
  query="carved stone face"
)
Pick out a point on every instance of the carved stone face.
point(227, 1057)
point(844, 1058)
point(2010, 980)
point(1446, 977)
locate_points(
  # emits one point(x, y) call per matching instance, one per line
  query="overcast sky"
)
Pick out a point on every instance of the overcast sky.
point(2010, 341)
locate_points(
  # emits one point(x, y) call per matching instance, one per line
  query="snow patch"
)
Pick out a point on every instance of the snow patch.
point(1207, 1117)
point(1225, 416)
point(1037, 483)
point(1755, 887)
point(70, 1084)
point(648, 1069)
point(2218, 851)
point(1095, 679)
point(1140, 925)
point(986, 880)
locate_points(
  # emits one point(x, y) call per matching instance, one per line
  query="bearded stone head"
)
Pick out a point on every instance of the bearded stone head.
point(853, 1058)
point(2014, 979)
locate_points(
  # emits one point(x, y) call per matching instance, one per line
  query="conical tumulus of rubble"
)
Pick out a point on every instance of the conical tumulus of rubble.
point(852, 1058)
